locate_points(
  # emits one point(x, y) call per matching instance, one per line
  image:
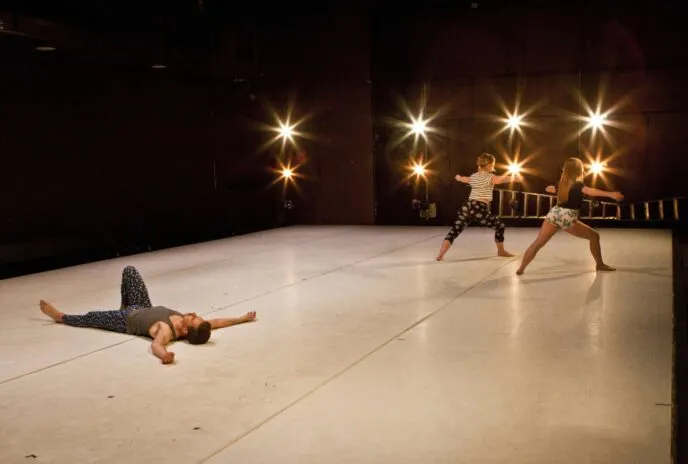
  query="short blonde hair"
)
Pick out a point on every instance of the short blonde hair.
point(485, 159)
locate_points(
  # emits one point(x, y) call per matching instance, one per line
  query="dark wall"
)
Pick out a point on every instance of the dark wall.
point(99, 154)
point(95, 155)
point(324, 58)
point(96, 151)
point(476, 61)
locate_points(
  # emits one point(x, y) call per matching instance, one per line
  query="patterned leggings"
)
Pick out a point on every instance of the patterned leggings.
point(476, 213)
point(134, 295)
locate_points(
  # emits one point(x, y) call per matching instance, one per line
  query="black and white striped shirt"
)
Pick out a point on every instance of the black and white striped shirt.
point(481, 186)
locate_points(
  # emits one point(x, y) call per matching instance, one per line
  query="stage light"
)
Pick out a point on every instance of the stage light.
point(514, 122)
point(514, 168)
point(419, 170)
point(285, 131)
point(596, 120)
point(418, 126)
point(286, 175)
point(596, 167)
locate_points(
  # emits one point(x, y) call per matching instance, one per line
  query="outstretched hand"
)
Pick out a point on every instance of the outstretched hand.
point(617, 196)
point(249, 316)
point(458, 177)
point(168, 358)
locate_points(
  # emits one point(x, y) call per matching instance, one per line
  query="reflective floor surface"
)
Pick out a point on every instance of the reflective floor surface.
point(366, 350)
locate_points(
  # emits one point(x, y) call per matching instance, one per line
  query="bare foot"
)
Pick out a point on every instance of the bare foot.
point(505, 254)
point(249, 316)
point(50, 311)
point(604, 267)
point(446, 244)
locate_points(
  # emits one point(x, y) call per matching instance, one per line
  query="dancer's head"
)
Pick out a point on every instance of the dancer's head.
point(486, 162)
point(572, 172)
point(196, 329)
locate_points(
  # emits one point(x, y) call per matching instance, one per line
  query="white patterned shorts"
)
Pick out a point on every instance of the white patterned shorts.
point(563, 218)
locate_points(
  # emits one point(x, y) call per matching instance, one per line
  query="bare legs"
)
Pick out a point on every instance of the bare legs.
point(579, 230)
point(446, 244)
point(547, 231)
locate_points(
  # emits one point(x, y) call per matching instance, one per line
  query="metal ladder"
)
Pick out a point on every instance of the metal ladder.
point(529, 205)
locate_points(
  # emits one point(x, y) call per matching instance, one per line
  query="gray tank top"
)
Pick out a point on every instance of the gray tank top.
point(140, 321)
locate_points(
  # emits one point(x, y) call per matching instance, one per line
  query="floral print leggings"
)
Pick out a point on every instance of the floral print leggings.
point(477, 213)
point(134, 296)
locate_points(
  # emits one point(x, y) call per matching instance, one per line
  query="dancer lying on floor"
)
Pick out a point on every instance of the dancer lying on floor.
point(564, 215)
point(137, 316)
point(476, 210)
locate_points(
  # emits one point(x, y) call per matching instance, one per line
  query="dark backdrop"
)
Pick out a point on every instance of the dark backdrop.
point(102, 155)
point(549, 55)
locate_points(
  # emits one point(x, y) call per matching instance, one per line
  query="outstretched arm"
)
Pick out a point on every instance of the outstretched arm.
point(162, 335)
point(505, 179)
point(230, 321)
point(593, 192)
point(465, 180)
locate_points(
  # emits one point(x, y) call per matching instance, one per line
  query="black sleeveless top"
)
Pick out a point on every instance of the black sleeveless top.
point(575, 200)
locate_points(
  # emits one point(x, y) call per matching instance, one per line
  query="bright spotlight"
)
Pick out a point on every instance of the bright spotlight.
point(514, 168)
point(287, 173)
point(286, 131)
point(514, 122)
point(597, 120)
point(596, 167)
point(418, 126)
point(419, 169)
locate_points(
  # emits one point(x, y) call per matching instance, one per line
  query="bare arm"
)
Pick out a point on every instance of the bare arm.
point(505, 179)
point(162, 335)
point(593, 192)
point(230, 321)
point(465, 180)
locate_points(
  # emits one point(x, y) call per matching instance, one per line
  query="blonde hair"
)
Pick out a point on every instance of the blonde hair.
point(485, 159)
point(572, 172)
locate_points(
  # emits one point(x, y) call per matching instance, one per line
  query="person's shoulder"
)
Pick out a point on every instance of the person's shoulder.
point(167, 310)
point(481, 174)
point(161, 328)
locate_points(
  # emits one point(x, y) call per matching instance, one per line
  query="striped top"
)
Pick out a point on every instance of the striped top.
point(481, 186)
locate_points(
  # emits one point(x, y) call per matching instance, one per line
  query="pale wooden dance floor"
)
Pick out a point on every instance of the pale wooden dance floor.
point(366, 351)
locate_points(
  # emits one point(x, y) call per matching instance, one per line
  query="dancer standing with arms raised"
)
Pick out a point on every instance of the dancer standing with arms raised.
point(564, 215)
point(476, 210)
